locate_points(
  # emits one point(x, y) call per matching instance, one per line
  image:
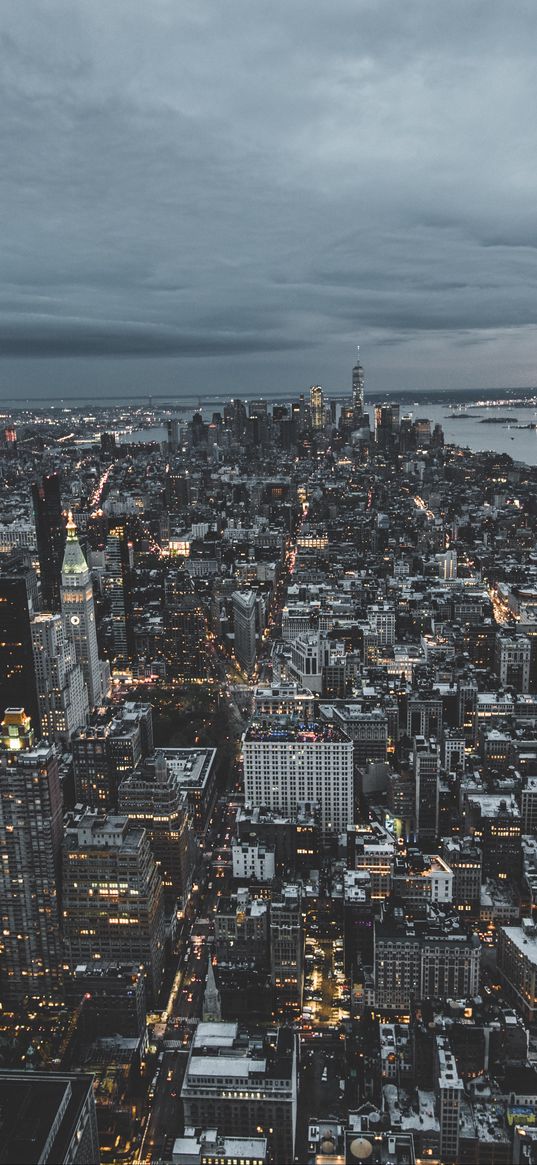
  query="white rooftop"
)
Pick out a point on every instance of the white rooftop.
point(219, 1066)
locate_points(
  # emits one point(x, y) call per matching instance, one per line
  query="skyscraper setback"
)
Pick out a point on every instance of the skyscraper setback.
point(50, 534)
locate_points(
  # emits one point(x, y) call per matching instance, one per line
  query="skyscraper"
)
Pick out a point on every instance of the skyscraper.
point(117, 586)
point(18, 598)
point(151, 795)
point(112, 894)
point(61, 691)
point(426, 762)
point(358, 388)
point(30, 843)
point(50, 534)
point(317, 406)
point(79, 614)
point(244, 619)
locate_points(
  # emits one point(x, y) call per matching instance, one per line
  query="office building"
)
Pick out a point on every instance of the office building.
point(152, 797)
point(317, 406)
point(293, 841)
point(117, 586)
point(48, 1118)
point(517, 965)
point(387, 424)
point(358, 389)
point(426, 767)
point(381, 619)
point(244, 622)
point(173, 434)
point(357, 921)
point(284, 700)
point(114, 995)
point(428, 955)
point(112, 895)
point(529, 806)
point(107, 749)
point(61, 691)
point(420, 878)
point(494, 822)
point(465, 860)
point(243, 1085)
point(371, 848)
point(194, 771)
point(367, 730)
point(50, 535)
point(241, 927)
point(79, 614)
point(208, 1146)
point(512, 661)
point(18, 604)
point(286, 764)
point(30, 843)
point(450, 1092)
point(287, 952)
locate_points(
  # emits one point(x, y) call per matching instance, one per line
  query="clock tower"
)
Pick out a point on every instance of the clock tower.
point(79, 613)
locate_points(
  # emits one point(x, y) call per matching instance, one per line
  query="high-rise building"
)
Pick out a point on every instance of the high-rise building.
point(368, 731)
point(48, 1117)
point(465, 859)
point(109, 748)
point(450, 1093)
point(18, 604)
point(432, 956)
point(50, 534)
point(244, 620)
point(61, 690)
point(287, 952)
point(517, 965)
point(114, 996)
point(152, 796)
point(426, 764)
point(387, 424)
point(117, 586)
point(30, 843)
point(512, 660)
point(79, 614)
point(243, 1085)
point(358, 388)
point(286, 764)
point(172, 426)
point(241, 927)
point(317, 406)
point(494, 822)
point(112, 895)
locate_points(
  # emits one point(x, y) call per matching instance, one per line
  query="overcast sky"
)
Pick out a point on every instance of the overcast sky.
point(229, 196)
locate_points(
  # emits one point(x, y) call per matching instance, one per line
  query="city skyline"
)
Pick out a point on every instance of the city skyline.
point(202, 200)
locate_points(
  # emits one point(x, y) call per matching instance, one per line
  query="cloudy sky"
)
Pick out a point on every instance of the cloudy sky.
point(229, 196)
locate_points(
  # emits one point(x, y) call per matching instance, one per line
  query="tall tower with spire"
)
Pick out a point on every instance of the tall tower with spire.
point(79, 613)
point(212, 1007)
point(358, 383)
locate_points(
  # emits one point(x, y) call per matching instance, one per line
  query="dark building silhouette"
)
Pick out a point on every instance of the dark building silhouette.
point(50, 534)
point(18, 603)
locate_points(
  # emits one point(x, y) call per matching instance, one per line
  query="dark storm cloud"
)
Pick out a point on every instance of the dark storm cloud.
point(67, 337)
point(268, 184)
